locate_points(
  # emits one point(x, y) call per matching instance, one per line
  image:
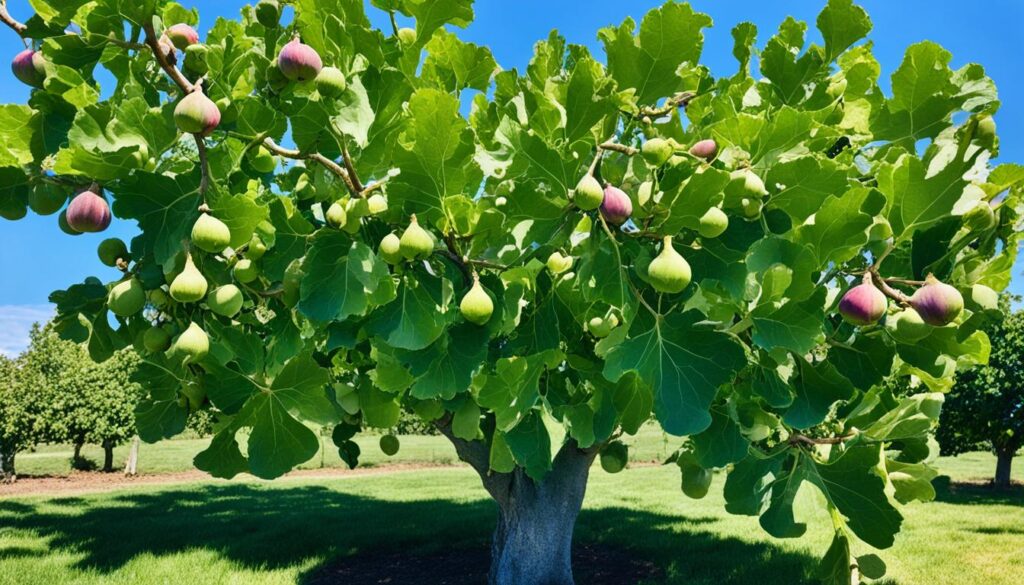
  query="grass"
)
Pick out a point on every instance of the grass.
point(257, 532)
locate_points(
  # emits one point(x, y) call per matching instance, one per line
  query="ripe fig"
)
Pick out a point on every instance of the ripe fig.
point(669, 272)
point(601, 327)
point(256, 249)
point(245, 271)
point(416, 242)
point(210, 234)
point(557, 263)
point(299, 62)
point(389, 444)
point(62, 223)
point(88, 212)
point(47, 199)
point(589, 195)
point(713, 223)
point(197, 114)
point(907, 326)
point(657, 151)
point(30, 68)
point(980, 218)
point(190, 285)
point(406, 35)
point(616, 206)
point(377, 204)
point(111, 250)
point(938, 303)
point(156, 339)
point(182, 36)
point(863, 304)
point(477, 306)
point(614, 457)
point(193, 343)
point(705, 149)
point(225, 300)
point(983, 298)
point(335, 215)
point(390, 249)
point(262, 160)
point(126, 298)
point(330, 82)
point(268, 13)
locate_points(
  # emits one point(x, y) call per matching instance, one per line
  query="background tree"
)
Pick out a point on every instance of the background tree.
point(20, 415)
point(565, 263)
point(985, 408)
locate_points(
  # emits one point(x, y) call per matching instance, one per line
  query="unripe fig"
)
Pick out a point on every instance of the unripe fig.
point(30, 68)
point(601, 327)
point(245, 271)
point(836, 88)
point(88, 212)
point(228, 111)
point(616, 206)
point(657, 151)
point(195, 59)
point(416, 242)
point(557, 263)
point(500, 202)
point(750, 184)
point(330, 82)
point(705, 149)
point(669, 272)
point(751, 208)
point(377, 204)
point(62, 223)
point(938, 303)
point(985, 132)
point(980, 218)
point(863, 304)
point(645, 193)
point(614, 457)
point(159, 298)
point(477, 306)
point(983, 298)
point(211, 234)
point(190, 285)
point(299, 62)
point(47, 199)
point(291, 283)
point(713, 223)
point(193, 343)
point(156, 339)
point(589, 194)
point(389, 444)
point(880, 230)
point(126, 298)
point(268, 13)
point(256, 249)
point(406, 35)
point(225, 300)
point(262, 160)
point(907, 326)
point(335, 215)
point(197, 114)
point(390, 249)
point(182, 36)
point(111, 250)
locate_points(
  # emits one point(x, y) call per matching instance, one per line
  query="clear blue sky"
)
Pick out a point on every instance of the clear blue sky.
point(36, 258)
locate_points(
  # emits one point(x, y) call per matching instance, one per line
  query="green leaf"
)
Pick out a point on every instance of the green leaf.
point(277, 442)
point(817, 388)
point(514, 388)
point(417, 317)
point(164, 207)
point(807, 182)
point(721, 443)
point(842, 23)
point(466, 422)
point(530, 444)
point(223, 458)
point(343, 278)
point(794, 326)
point(446, 368)
point(453, 65)
point(912, 481)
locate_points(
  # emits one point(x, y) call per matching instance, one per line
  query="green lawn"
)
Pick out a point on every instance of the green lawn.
point(248, 531)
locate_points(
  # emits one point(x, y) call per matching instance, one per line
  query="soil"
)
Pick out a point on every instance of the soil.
point(593, 564)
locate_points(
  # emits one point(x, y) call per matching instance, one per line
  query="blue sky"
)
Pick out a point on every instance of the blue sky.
point(36, 258)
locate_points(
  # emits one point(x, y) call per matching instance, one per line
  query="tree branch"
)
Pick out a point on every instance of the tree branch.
point(799, 439)
point(351, 171)
point(154, 45)
point(478, 455)
point(679, 100)
point(6, 18)
point(616, 147)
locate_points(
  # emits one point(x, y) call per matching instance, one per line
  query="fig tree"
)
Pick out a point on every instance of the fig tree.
point(416, 243)
point(614, 456)
point(657, 151)
point(156, 339)
point(47, 199)
point(863, 304)
point(477, 306)
point(262, 160)
point(111, 250)
point(167, 49)
point(705, 149)
point(330, 82)
point(193, 343)
point(197, 114)
point(190, 285)
point(589, 195)
point(938, 303)
point(389, 444)
point(299, 62)
point(211, 234)
point(88, 213)
point(713, 223)
point(616, 206)
point(29, 67)
point(335, 215)
point(245, 271)
point(126, 298)
point(268, 13)
point(557, 263)
point(907, 326)
point(182, 36)
point(225, 300)
point(669, 272)
point(390, 249)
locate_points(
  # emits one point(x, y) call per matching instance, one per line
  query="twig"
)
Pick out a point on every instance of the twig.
point(394, 23)
point(451, 251)
point(7, 19)
point(679, 100)
point(154, 45)
point(887, 290)
point(351, 169)
point(616, 147)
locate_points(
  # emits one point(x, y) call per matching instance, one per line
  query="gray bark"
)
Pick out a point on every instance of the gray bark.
point(7, 471)
point(131, 467)
point(1004, 462)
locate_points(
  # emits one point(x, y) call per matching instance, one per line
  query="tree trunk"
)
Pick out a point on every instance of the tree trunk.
point(7, 472)
point(78, 452)
point(108, 456)
point(1004, 461)
point(131, 467)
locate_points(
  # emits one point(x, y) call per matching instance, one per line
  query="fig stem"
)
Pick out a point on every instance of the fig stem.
point(394, 23)
point(293, 154)
point(204, 165)
point(887, 290)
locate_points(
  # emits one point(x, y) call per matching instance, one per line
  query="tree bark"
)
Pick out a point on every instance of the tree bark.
point(131, 467)
point(7, 471)
point(1004, 461)
point(108, 456)
point(78, 452)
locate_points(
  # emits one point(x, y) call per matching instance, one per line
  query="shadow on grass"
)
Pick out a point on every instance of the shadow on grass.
point(953, 492)
point(257, 527)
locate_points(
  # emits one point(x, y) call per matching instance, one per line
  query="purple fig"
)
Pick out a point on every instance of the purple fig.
point(197, 114)
point(88, 212)
point(616, 207)
point(182, 35)
point(863, 304)
point(29, 67)
point(299, 62)
point(705, 149)
point(938, 303)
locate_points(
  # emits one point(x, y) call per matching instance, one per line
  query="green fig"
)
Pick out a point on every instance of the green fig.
point(159, 298)
point(749, 183)
point(390, 249)
point(751, 208)
point(601, 327)
point(331, 83)
point(907, 326)
point(245, 271)
point(645, 193)
point(156, 340)
point(389, 444)
point(477, 306)
point(225, 300)
point(211, 234)
point(14, 208)
point(406, 35)
point(190, 285)
point(268, 13)
point(195, 59)
point(557, 263)
point(986, 131)
point(111, 250)
point(46, 199)
point(416, 243)
point(291, 284)
point(197, 114)
point(657, 151)
point(336, 216)
point(256, 248)
point(228, 111)
point(194, 343)
point(589, 193)
point(377, 204)
point(669, 272)
point(126, 298)
point(614, 457)
point(713, 223)
point(262, 160)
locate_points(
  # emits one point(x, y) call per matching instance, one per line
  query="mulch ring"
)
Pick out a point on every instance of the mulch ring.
point(593, 564)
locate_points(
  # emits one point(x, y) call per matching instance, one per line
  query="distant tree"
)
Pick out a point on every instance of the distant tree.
point(985, 409)
point(19, 417)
